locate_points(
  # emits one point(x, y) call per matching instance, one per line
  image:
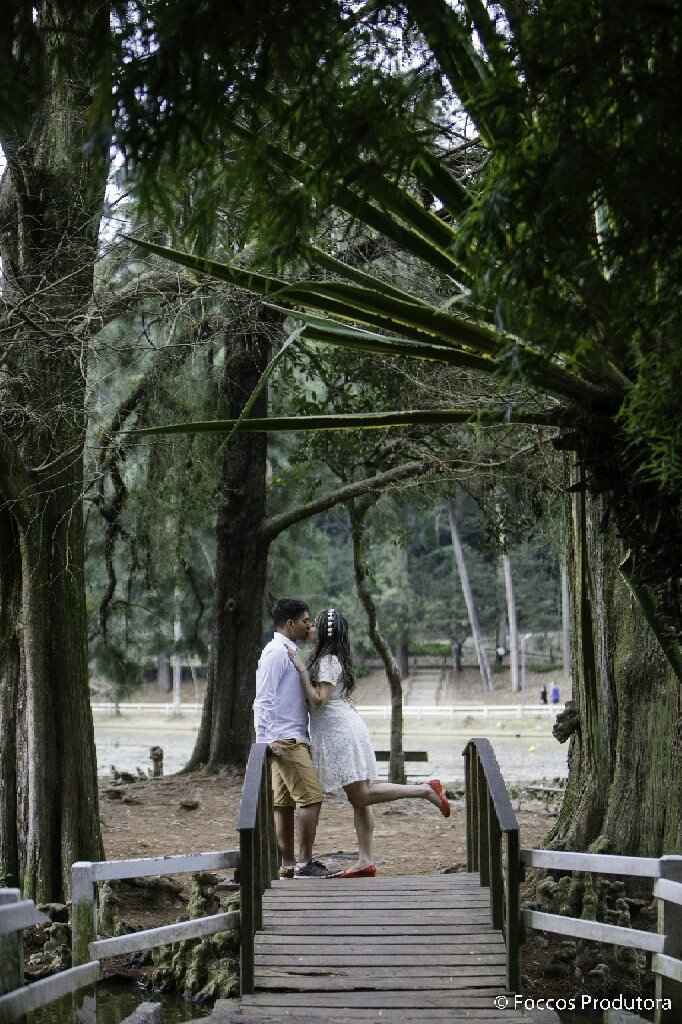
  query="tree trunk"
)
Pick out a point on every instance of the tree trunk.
point(513, 631)
point(625, 756)
point(469, 598)
point(51, 196)
point(10, 682)
point(225, 732)
point(358, 514)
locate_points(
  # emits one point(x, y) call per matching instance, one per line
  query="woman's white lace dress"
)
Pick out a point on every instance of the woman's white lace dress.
point(341, 748)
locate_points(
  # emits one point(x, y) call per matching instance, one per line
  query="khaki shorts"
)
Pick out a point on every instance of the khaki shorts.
point(294, 780)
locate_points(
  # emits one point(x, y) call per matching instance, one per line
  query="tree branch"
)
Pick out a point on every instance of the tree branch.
point(273, 526)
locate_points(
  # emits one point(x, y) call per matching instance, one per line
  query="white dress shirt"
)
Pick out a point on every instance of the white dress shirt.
point(279, 710)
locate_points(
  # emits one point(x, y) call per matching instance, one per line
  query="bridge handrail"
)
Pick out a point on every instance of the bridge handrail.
point(665, 944)
point(258, 855)
point(490, 816)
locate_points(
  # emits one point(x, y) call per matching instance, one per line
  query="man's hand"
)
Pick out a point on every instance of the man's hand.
point(276, 748)
point(296, 661)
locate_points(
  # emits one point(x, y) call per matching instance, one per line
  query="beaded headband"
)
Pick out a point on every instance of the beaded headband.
point(330, 621)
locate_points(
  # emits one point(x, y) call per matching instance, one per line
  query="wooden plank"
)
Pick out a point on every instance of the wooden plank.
point(332, 1015)
point(408, 755)
point(277, 940)
point(665, 889)
point(163, 936)
point(371, 916)
point(356, 969)
point(428, 985)
point(611, 934)
point(597, 863)
point(438, 959)
point(371, 902)
point(143, 867)
point(296, 928)
point(15, 1004)
point(22, 914)
point(425, 880)
point(472, 998)
point(668, 966)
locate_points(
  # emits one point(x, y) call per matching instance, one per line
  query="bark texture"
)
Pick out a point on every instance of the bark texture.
point(623, 794)
point(225, 733)
point(51, 196)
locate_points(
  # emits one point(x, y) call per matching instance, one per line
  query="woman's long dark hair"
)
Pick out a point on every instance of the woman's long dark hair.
point(333, 637)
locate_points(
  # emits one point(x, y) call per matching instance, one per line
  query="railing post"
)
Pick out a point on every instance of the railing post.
point(513, 919)
point(11, 950)
point(495, 861)
point(247, 910)
point(483, 837)
point(670, 925)
point(83, 911)
point(469, 798)
point(270, 821)
point(474, 809)
point(259, 861)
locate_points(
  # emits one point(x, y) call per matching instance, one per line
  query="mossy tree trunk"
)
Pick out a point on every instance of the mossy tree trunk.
point(623, 794)
point(51, 198)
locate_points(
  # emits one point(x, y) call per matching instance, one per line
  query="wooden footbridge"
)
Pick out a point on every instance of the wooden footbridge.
point(404, 949)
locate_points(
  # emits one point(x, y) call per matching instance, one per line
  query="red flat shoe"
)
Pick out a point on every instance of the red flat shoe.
point(437, 787)
point(366, 872)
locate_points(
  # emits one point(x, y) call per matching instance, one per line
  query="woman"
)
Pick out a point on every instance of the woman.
point(342, 750)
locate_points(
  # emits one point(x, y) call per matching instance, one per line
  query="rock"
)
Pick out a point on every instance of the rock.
point(566, 952)
point(600, 974)
point(129, 799)
point(190, 805)
point(454, 869)
point(146, 1013)
point(113, 793)
point(55, 911)
point(556, 969)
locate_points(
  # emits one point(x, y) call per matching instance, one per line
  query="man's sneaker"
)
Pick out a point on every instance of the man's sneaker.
point(313, 869)
point(286, 872)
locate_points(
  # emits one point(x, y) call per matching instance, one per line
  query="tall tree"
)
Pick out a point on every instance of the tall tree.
point(55, 64)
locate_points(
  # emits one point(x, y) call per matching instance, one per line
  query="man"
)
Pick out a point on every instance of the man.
point(281, 718)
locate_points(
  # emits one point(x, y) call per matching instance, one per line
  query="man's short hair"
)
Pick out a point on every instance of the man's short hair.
point(288, 608)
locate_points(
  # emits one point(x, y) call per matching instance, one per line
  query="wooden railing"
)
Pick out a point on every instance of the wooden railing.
point(17, 999)
point(665, 944)
point(258, 854)
point(493, 846)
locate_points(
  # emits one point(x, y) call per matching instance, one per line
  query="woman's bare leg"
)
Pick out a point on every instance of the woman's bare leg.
point(364, 794)
point(364, 828)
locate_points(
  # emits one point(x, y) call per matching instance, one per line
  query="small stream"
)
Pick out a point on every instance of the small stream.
point(116, 1000)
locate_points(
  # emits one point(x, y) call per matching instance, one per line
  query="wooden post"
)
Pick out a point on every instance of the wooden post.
point(83, 932)
point(156, 757)
point(513, 916)
point(270, 821)
point(259, 859)
point(11, 950)
point(83, 912)
point(495, 861)
point(670, 925)
point(483, 843)
point(474, 809)
point(247, 911)
point(469, 797)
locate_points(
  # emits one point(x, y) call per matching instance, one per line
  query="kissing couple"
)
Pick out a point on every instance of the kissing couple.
point(319, 742)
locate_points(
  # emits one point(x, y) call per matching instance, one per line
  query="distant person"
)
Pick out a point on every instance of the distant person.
point(555, 694)
point(342, 750)
point(457, 655)
point(281, 719)
point(543, 694)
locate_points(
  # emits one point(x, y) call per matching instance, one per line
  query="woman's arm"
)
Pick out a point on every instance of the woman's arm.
point(315, 695)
